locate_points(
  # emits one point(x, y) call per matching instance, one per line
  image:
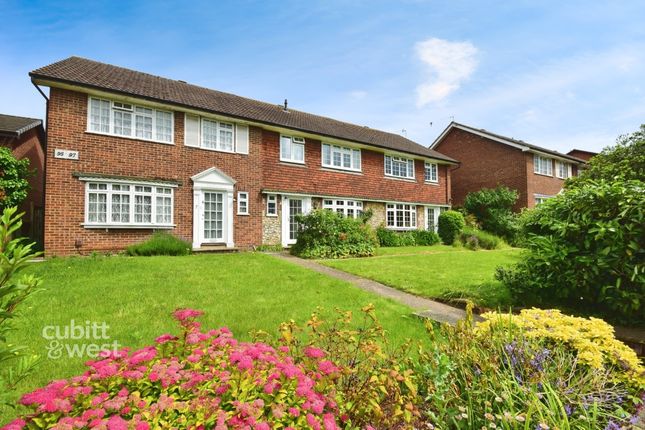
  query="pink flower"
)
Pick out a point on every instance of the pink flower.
point(142, 426)
point(245, 363)
point(329, 422)
point(262, 426)
point(327, 367)
point(164, 338)
point(294, 411)
point(184, 314)
point(16, 424)
point(117, 423)
point(312, 352)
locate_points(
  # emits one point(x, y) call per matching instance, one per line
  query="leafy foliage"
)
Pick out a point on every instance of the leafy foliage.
point(13, 179)
point(392, 238)
point(624, 161)
point(493, 209)
point(326, 234)
point(450, 225)
point(474, 239)
point(586, 251)
point(500, 374)
point(14, 257)
point(160, 243)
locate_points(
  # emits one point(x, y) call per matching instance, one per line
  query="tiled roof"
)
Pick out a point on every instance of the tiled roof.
point(500, 137)
point(16, 125)
point(92, 74)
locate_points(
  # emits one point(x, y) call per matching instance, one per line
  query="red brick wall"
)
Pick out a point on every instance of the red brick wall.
point(583, 155)
point(64, 212)
point(484, 164)
point(28, 146)
point(370, 183)
point(540, 184)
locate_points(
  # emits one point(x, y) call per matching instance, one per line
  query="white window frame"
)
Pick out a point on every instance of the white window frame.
point(563, 169)
point(343, 206)
point(403, 208)
point(343, 152)
point(431, 168)
point(272, 199)
point(219, 127)
point(539, 162)
point(133, 110)
point(163, 191)
point(242, 200)
point(541, 198)
point(409, 166)
point(293, 142)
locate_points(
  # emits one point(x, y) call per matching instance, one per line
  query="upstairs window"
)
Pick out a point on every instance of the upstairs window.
point(292, 149)
point(399, 167)
point(217, 135)
point(562, 169)
point(128, 120)
point(542, 165)
point(348, 208)
point(431, 172)
point(341, 157)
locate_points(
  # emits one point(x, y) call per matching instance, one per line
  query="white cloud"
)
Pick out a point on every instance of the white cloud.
point(448, 64)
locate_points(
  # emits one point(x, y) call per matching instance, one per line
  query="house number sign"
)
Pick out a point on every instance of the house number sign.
point(66, 154)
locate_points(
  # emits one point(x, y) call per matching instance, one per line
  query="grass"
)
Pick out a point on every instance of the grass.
point(437, 271)
point(134, 296)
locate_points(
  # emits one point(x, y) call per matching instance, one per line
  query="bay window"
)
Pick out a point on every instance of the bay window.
point(399, 167)
point(401, 216)
point(128, 205)
point(128, 120)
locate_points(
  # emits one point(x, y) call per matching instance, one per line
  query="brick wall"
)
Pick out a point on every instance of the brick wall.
point(370, 183)
point(541, 184)
point(64, 212)
point(484, 164)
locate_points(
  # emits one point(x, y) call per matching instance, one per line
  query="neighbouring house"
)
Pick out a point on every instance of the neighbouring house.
point(26, 139)
point(131, 153)
point(488, 160)
point(582, 154)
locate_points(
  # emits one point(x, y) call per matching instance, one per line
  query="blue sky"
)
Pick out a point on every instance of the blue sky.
point(560, 74)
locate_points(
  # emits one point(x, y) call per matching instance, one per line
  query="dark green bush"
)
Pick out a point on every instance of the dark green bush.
point(387, 237)
point(426, 237)
point(407, 238)
point(474, 239)
point(493, 209)
point(160, 243)
point(586, 251)
point(326, 234)
point(450, 224)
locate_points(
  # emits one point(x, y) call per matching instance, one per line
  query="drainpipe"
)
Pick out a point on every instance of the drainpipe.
point(45, 151)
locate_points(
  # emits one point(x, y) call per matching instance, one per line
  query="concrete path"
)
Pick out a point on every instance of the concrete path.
point(425, 308)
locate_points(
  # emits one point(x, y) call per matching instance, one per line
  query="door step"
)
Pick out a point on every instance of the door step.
point(215, 248)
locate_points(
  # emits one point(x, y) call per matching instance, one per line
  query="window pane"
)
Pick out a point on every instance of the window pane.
point(209, 134)
point(285, 147)
point(356, 159)
point(298, 152)
point(225, 136)
point(164, 126)
point(122, 123)
point(143, 126)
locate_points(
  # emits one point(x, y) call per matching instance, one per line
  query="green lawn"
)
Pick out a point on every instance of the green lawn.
point(135, 296)
point(436, 271)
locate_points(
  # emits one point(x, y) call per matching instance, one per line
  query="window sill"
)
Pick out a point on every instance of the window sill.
point(141, 139)
point(431, 182)
point(341, 170)
point(542, 174)
point(396, 178)
point(215, 150)
point(271, 215)
point(401, 228)
point(292, 163)
point(129, 226)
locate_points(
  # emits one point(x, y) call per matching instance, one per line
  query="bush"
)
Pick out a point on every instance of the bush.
point(450, 224)
point(474, 239)
point(493, 208)
point(426, 237)
point(585, 251)
point(326, 234)
point(390, 238)
point(14, 291)
point(538, 370)
point(160, 243)
point(14, 183)
point(198, 378)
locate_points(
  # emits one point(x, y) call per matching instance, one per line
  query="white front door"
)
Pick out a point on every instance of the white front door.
point(293, 206)
point(213, 217)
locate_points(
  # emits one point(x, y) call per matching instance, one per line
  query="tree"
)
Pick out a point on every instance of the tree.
point(13, 179)
point(493, 209)
point(623, 161)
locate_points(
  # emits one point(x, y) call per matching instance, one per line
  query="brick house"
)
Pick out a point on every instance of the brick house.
point(26, 139)
point(488, 160)
point(131, 153)
point(582, 154)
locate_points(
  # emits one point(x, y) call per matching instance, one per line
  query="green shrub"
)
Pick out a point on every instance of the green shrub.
point(14, 184)
point(387, 237)
point(585, 251)
point(538, 370)
point(160, 243)
point(407, 238)
point(14, 290)
point(426, 237)
point(474, 239)
point(326, 234)
point(450, 224)
point(493, 209)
